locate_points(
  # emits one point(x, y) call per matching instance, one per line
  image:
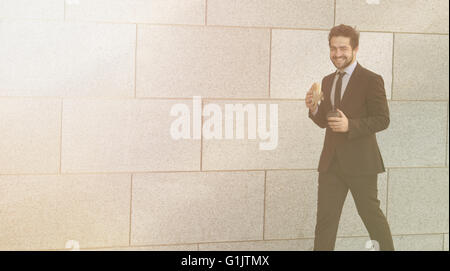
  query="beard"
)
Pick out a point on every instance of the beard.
point(344, 64)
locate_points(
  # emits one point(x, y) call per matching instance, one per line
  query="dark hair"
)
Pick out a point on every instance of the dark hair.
point(345, 31)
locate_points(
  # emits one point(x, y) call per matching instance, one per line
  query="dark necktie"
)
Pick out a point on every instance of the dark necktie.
point(337, 91)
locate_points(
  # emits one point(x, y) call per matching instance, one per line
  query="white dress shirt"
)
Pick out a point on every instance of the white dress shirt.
point(348, 73)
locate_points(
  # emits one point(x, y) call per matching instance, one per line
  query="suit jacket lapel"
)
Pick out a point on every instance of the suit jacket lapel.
point(351, 86)
point(327, 90)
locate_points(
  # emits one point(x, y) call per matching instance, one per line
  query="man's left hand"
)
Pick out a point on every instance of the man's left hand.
point(338, 124)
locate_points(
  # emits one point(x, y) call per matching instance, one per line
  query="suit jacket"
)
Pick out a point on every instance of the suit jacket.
point(365, 105)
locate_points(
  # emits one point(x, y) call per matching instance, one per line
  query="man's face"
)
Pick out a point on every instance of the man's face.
point(341, 52)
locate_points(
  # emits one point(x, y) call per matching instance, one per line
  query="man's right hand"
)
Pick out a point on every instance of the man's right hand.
point(309, 101)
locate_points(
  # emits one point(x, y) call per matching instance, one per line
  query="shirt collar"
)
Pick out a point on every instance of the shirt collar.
point(349, 70)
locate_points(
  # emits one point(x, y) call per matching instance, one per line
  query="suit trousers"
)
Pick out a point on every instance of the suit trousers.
point(333, 189)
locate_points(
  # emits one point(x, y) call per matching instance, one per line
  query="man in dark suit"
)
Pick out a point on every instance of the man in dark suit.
point(350, 158)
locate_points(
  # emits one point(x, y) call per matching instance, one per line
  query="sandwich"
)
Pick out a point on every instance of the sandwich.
point(317, 93)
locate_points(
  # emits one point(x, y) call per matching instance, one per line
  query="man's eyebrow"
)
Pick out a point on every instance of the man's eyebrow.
point(339, 47)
